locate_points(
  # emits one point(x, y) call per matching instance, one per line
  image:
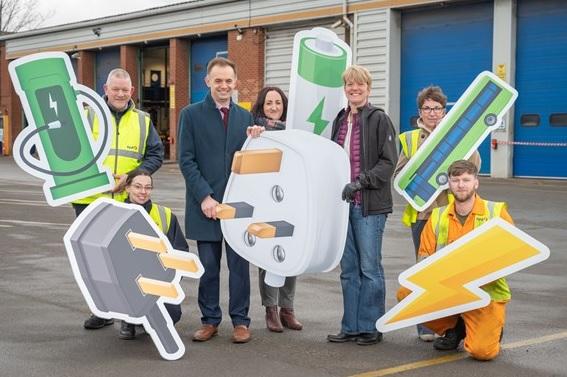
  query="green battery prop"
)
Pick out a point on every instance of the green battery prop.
point(316, 87)
point(53, 105)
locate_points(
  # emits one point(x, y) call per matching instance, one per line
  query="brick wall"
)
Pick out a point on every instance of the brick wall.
point(178, 88)
point(10, 105)
point(247, 51)
point(129, 62)
point(4, 78)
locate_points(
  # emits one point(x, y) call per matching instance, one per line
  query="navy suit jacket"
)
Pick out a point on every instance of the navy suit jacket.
point(205, 158)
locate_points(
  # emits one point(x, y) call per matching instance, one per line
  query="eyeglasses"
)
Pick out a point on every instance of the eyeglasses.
point(436, 109)
point(142, 188)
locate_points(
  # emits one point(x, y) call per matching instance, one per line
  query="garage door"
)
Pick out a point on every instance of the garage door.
point(203, 50)
point(106, 61)
point(540, 125)
point(446, 46)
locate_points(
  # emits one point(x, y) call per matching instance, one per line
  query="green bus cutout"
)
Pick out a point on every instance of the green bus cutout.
point(477, 113)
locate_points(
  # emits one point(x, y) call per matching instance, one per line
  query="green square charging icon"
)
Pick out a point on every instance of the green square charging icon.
point(70, 161)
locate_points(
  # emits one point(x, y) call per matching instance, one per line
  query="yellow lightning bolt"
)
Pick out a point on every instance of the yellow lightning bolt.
point(492, 251)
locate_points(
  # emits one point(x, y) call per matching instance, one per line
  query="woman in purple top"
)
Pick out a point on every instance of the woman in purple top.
point(368, 137)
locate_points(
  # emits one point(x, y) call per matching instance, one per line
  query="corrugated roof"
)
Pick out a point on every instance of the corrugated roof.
point(116, 18)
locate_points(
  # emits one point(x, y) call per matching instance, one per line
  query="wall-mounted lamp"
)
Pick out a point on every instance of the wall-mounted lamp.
point(96, 31)
point(239, 31)
point(75, 55)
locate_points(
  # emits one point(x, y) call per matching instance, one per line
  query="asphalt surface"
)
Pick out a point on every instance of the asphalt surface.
point(42, 309)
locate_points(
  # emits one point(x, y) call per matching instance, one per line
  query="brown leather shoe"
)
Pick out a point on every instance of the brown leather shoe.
point(205, 333)
point(288, 319)
point(273, 322)
point(241, 334)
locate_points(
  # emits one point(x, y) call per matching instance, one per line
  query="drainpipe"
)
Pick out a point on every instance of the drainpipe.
point(348, 25)
point(345, 18)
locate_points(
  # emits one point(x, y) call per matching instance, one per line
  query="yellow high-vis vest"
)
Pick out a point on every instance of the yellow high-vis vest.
point(161, 216)
point(498, 289)
point(127, 148)
point(409, 141)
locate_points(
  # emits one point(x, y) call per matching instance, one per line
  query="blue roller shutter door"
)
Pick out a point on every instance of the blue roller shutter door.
point(540, 118)
point(106, 61)
point(203, 50)
point(449, 47)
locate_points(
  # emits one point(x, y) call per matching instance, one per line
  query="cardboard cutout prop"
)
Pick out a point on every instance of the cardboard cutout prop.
point(127, 269)
point(70, 161)
point(448, 282)
point(316, 87)
point(282, 206)
point(477, 112)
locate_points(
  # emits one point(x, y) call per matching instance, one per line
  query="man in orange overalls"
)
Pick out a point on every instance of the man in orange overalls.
point(481, 328)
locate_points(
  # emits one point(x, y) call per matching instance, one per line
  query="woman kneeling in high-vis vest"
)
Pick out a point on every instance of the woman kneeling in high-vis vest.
point(139, 185)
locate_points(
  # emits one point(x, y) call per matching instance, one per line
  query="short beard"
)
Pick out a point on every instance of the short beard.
point(466, 199)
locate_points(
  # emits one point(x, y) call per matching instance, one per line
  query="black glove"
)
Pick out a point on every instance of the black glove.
point(350, 190)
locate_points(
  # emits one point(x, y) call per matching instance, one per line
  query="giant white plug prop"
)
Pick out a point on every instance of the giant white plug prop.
point(282, 207)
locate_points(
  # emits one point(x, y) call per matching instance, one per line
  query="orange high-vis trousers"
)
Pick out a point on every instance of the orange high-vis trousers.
point(484, 327)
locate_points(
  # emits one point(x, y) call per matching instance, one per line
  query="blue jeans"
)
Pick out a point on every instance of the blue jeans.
point(362, 275)
point(238, 284)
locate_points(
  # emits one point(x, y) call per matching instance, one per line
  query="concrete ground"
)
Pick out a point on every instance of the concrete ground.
point(42, 309)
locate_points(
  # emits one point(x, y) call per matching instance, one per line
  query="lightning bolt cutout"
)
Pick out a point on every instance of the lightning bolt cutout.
point(316, 118)
point(449, 281)
point(53, 104)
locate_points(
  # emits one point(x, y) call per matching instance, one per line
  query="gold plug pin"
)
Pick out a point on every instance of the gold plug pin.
point(271, 229)
point(256, 161)
point(149, 243)
point(157, 245)
point(238, 210)
point(179, 263)
point(157, 287)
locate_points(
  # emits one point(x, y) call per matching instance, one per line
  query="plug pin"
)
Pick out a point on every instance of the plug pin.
point(271, 229)
point(256, 161)
point(157, 287)
point(237, 210)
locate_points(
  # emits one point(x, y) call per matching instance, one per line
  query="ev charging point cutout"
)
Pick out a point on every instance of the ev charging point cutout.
point(70, 161)
point(282, 209)
point(127, 269)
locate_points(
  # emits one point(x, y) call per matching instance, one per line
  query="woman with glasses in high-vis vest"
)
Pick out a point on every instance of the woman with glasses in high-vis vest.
point(431, 106)
point(139, 186)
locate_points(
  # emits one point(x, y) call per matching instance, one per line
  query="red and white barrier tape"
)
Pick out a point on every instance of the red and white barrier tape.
point(529, 143)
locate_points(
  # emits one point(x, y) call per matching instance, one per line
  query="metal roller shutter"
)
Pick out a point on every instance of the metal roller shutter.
point(202, 51)
point(541, 79)
point(446, 46)
point(106, 61)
